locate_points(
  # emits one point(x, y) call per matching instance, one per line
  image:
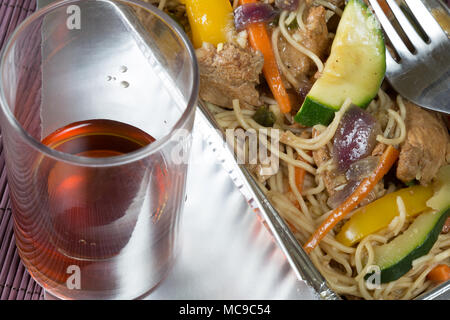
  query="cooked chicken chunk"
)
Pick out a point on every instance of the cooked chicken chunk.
point(424, 150)
point(296, 62)
point(314, 38)
point(228, 74)
point(331, 177)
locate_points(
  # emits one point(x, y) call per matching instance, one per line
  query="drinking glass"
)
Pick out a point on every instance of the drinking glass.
point(97, 109)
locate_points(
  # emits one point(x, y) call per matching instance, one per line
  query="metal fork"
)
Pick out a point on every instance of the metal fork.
point(423, 74)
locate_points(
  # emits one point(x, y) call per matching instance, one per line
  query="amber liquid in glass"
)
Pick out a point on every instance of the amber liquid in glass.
point(99, 217)
point(98, 138)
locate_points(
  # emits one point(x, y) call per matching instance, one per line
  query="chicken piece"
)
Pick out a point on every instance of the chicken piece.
point(296, 62)
point(228, 74)
point(331, 177)
point(425, 148)
point(314, 38)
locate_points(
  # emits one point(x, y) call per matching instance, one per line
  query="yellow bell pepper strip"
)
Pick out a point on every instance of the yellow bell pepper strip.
point(259, 40)
point(378, 215)
point(210, 20)
point(387, 160)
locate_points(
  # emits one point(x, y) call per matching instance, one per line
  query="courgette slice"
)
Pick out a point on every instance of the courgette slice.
point(354, 69)
point(395, 258)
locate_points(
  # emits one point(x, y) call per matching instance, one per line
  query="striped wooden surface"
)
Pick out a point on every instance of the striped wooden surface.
point(15, 281)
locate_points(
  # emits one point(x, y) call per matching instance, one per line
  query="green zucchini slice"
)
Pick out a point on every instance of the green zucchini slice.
point(354, 69)
point(395, 258)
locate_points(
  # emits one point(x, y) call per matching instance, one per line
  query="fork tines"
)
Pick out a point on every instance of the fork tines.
point(424, 19)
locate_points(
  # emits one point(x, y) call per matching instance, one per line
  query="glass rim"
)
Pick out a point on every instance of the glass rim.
point(107, 161)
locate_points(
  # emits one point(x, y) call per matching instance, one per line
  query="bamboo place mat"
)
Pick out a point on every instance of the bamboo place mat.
point(15, 281)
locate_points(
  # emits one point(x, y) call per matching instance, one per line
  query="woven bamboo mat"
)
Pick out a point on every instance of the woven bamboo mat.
point(15, 281)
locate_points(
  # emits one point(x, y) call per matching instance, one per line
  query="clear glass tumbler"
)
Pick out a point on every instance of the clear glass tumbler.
point(97, 108)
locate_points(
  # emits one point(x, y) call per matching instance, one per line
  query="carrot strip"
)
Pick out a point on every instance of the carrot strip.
point(440, 273)
point(260, 41)
point(387, 160)
point(299, 178)
point(299, 174)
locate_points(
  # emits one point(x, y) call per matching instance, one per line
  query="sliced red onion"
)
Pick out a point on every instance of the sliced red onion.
point(291, 5)
point(249, 13)
point(343, 194)
point(303, 91)
point(355, 137)
point(362, 168)
point(340, 195)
